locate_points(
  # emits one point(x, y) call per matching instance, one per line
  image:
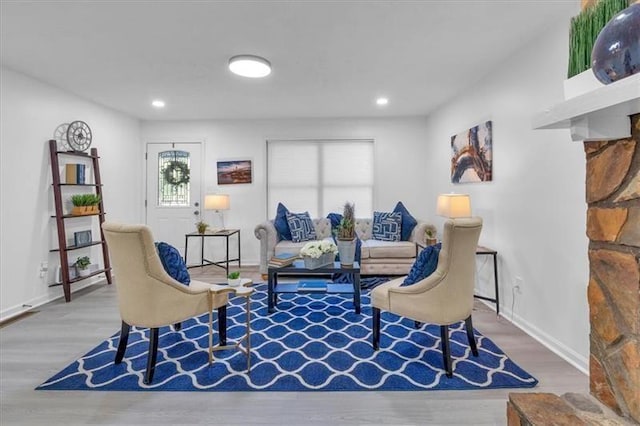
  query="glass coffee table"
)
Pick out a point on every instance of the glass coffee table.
point(302, 286)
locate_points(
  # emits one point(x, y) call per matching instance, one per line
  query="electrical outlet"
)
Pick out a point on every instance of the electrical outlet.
point(44, 267)
point(518, 283)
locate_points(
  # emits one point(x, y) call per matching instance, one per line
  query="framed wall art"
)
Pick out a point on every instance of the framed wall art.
point(82, 238)
point(234, 172)
point(472, 154)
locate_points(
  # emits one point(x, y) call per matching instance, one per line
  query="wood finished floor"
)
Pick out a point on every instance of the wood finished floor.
point(36, 347)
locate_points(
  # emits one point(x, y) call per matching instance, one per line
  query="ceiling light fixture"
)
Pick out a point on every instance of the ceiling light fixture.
point(158, 103)
point(382, 101)
point(250, 66)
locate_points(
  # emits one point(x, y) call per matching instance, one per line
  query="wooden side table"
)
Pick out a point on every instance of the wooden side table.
point(225, 233)
point(484, 251)
point(244, 290)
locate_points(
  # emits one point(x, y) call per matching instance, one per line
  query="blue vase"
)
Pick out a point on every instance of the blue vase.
point(616, 51)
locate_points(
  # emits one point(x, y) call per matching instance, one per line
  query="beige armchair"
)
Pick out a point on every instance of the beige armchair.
point(147, 295)
point(446, 296)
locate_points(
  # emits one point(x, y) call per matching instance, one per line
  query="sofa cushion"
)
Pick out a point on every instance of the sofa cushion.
point(301, 227)
point(280, 222)
point(377, 249)
point(425, 264)
point(172, 262)
point(387, 226)
point(408, 221)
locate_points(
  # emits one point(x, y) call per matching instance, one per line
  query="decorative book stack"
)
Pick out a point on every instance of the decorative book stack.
point(312, 286)
point(75, 174)
point(282, 259)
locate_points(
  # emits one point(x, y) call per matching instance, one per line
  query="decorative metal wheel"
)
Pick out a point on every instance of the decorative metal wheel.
point(60, 135)
point(79, 136)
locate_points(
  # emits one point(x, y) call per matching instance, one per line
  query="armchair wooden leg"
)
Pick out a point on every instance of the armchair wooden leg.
point(177, 326)
point(124, 339)
point(152, 356)
point(446, 352)
point(222, 324)
point(470, 336)
point(375, 326)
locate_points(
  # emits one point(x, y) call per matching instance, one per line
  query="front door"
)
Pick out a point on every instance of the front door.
point(173, 190)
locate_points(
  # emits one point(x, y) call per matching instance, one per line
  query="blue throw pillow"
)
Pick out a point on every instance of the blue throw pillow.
point(281, 224)
point(386, 226)
point(173, 263)
point(301, 227)
point(425, 264)
point(408, 221)
point(335, 219)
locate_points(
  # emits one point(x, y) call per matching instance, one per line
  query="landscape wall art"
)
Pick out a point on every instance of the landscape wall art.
point(233, 172)
point(472, 154)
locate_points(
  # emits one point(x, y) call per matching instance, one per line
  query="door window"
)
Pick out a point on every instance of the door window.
point(173, 178)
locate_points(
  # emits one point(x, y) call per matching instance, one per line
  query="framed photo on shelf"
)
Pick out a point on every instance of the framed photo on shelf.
point(234, 172)
point(82, 238)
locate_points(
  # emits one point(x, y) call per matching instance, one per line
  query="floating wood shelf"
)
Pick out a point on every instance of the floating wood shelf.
point(602, 114)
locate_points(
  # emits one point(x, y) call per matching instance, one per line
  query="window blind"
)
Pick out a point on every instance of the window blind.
point(319, 176)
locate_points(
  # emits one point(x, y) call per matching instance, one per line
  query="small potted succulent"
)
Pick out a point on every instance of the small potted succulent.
point(82, 266)
point(430, 235)
point(201, 227)
point(233, 279)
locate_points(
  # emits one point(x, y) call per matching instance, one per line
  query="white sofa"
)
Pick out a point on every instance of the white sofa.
point(377, 257)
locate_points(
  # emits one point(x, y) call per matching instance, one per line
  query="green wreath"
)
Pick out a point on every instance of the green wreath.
point(176, 173)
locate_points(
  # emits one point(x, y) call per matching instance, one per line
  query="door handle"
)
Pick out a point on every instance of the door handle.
point(196, 212)
point(196, 204)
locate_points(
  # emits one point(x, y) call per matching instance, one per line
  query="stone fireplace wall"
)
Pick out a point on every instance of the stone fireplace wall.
point(613, 228)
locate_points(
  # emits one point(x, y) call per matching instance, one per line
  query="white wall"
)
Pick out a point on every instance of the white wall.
point(534, 210)
point(399, 171)
point(30, 112)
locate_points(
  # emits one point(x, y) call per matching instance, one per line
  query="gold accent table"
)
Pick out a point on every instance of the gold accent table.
point(243, 290)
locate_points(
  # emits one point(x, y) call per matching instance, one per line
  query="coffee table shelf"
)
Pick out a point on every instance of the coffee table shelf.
point(298, 269)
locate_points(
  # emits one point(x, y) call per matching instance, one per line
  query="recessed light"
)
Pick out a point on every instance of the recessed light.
point(382, 101)
point(158, 103)
point(250, 66)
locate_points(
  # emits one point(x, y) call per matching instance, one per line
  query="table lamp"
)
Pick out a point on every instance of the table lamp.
point(217, 202)
point(453, 205)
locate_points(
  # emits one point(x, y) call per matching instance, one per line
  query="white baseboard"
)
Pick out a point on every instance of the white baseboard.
point(28, 305)
point(554, 345)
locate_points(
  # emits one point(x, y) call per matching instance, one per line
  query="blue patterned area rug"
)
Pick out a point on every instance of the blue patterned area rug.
point(313, 342)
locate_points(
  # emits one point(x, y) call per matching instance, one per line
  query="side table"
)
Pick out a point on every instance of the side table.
point(484, 251)
point(225, 233)
point(244, 290)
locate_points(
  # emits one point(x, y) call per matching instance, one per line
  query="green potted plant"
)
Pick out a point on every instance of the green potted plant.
point(201, 227)
point(346, 235)
point(430, 235)
point(85, 204)
point(82, 266)
point(233, 279)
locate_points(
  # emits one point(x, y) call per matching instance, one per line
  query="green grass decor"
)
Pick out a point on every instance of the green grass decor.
point(585, 29)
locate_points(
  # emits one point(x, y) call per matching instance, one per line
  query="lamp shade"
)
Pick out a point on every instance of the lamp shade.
point(454, 205)
point(216, 202)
